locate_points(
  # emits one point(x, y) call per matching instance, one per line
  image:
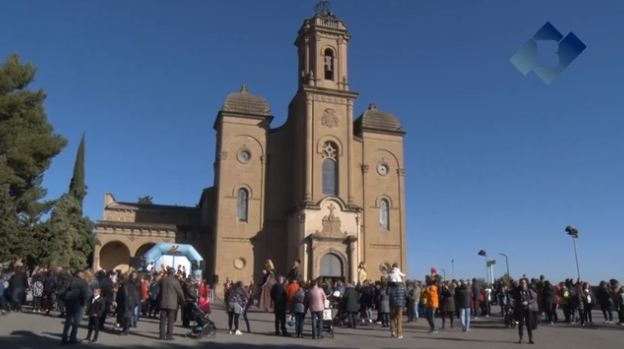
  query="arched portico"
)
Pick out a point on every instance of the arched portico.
point(114, 255)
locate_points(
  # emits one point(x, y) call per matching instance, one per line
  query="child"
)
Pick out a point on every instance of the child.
point(37, 292)
point(395, 274)
point(95, 309)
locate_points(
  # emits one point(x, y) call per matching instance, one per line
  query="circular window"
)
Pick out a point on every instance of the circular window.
point(239, 263)
point(244, 156)
point(382, 169)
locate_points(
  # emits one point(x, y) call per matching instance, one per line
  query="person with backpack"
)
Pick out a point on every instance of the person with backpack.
point(74, 297)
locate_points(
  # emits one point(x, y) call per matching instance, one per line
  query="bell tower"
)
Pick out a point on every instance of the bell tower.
point(322, 50)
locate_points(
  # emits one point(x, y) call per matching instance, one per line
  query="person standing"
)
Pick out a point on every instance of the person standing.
point(433, 302)
point(549, 302)
point(107, 294)
point(267, 285)
point(317, 305)
point(74, 298)
point(447, 304)
point(236, 302)
point(95, 310)
point(605, 302)
point(588, 304)
point(18, 283)
point(463, 297)
point(280, 305)
point(351, 299)
point(525, 301)
point(476, 293)
point(361, 273)
point(299, 311)
point(293, 274)
point(396, 292)
point(37, 292)
point(170, 297)
point(384, 303)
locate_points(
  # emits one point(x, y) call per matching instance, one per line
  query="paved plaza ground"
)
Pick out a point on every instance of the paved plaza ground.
point(35, 331)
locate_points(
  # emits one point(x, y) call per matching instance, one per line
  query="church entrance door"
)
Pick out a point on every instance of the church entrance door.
point(331, 267)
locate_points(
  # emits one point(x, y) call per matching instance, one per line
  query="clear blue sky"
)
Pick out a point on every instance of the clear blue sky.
point(495, 160)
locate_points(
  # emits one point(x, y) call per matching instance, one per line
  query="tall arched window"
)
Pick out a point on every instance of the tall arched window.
point(384, 214)
point(242, 204)
point(328, 64)
point(330, 169)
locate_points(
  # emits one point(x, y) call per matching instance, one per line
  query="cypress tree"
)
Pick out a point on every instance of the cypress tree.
point(77, 186)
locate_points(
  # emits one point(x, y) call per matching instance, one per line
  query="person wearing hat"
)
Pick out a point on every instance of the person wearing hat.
point(95, 310)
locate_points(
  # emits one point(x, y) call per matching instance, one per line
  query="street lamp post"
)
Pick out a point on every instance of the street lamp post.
point(573, 232)
point(443, 273)
point(453, 268)
point(506, 264)
point(487, 267)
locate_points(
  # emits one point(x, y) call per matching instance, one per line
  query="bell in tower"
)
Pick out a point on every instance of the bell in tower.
point(322, 43)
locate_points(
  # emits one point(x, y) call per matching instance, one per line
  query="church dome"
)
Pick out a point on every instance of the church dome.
point(374, 119)
point(245, 103)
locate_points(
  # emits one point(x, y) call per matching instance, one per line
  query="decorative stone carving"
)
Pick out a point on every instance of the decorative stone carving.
point(331, 224)
point(239, 263)
point(330, 99)
point(329, 118)
point(329, 151)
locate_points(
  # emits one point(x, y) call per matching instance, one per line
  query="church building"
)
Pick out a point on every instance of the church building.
point(326, 187)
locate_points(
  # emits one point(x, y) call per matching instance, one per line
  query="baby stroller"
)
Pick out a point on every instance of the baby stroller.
point(200, 313)
point(328, 319)
point(509, 316)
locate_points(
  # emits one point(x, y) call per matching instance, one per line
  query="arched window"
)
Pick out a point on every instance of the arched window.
point(242, 204)
point(328, 63)
point(384, 214)
point(330, 169)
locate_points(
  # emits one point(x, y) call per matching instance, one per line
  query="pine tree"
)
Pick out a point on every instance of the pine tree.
point(27, 145)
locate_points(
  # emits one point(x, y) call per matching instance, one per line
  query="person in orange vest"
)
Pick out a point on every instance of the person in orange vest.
point(432, 304)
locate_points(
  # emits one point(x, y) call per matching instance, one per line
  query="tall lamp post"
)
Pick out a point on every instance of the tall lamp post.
point(443, 273)
point(453, 268)
point(506, 264)
point(573, 232)
point(487, 268)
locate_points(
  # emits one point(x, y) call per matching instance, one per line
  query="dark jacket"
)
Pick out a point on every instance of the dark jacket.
point(351, 299)
point(548, 294)
point(96, 308)
point(19, 280)
point(77, 293)
point(106, 289)
point(279, 297)
point(134, 295)
point(170, 293)
point(447, 300)
point(463, 296)
point(524, 300)
point(396, 291)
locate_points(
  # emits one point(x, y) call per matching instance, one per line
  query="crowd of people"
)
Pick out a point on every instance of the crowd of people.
point(330, 302)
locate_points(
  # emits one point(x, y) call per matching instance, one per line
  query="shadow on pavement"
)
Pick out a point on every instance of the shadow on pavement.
point(31, 340)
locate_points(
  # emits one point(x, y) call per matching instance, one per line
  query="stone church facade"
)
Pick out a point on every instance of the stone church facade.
point(324, 187)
